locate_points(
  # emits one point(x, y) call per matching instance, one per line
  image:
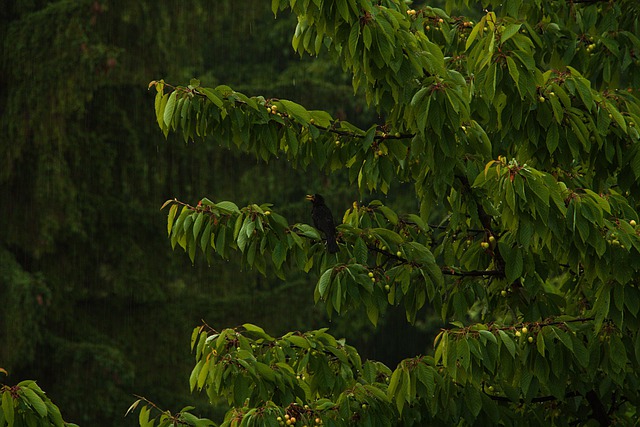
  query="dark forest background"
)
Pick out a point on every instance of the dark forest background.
point(94, 304)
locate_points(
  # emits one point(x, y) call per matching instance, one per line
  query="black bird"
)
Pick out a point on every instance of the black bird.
point(323, 221)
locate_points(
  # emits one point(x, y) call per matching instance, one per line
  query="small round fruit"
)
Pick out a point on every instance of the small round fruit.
point(370, 274)
point(518, 333)
point(490, 388)
point(267, 212)
point(492, 239)
point(632, 223)
point(524, 330)
point(484, 245)
point(398, 253)
point(364, 406)
point(552, 94)
point(530, 339)
point(387, 288)
point(504, 293)
point(542, 99)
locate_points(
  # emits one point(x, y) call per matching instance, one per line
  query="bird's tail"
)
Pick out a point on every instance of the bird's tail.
point(332, 245)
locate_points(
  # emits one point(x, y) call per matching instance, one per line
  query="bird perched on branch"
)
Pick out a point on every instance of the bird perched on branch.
point(323, 221)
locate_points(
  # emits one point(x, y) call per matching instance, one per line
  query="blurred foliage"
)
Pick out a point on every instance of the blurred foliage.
point(95, 306)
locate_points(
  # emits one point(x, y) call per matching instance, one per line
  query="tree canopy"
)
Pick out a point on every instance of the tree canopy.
point(518, 132)
point(516, 124)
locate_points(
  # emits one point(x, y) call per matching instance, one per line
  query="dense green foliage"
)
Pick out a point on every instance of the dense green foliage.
point(519, 135)
point(25, 404)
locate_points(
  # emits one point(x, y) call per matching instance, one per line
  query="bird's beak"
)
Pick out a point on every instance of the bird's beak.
point(310, 197)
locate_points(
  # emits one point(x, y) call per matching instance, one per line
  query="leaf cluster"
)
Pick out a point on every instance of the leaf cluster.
point(25, 404)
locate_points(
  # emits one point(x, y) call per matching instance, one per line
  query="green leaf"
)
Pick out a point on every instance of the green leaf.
point(203, 374)
point(172, 214)
point(601, 306)
point(360, 251)
point(35, 401)
point(389, 214)
point(513, 70)
point(296, 111)
point(617, 117)
point(473, 400)
point(509, 32)
point(324, 281)
point(308, 231)
point(489, 336)
point(540, 344)
point(298, 341)
point(389, 236)
point(7, 408)
point(372, 311)
point(228, 207)
point(279, 255)
point(205, 240)
point(366, 36)
point(513, 261)
point(427, 377)
point(143, 417)
point(474, 33)
point(580, 351)
point(161, 105)
point(197, 224)
point(169, 109)
point(354, 35)
point(343, 8)
point(563, 337)
point(212, 96)
point(508, 342)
